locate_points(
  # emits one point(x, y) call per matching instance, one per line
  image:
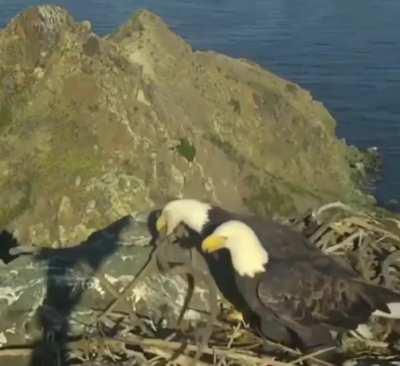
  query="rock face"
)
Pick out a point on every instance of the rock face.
point(91, 129)
point(69, 283)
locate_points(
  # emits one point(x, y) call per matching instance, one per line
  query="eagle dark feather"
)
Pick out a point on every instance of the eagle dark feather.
point(280, 241)
point(308, 294)
point(303, 289)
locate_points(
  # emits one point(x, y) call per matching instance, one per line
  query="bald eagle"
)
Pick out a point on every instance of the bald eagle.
point(283, 246)
point(203, 218)
point(306, 291)
point(279, 241)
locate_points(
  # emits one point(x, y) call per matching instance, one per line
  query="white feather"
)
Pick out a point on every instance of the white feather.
point(365, 331)
point(191, 212)
point(394, 308)
point(248, 255)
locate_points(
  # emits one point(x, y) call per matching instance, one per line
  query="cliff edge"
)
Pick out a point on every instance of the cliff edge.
point(92, 129)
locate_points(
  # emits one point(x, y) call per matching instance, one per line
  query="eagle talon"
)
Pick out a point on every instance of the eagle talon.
point(235, 316)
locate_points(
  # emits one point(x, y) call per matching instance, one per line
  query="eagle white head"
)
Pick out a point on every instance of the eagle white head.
point(191, 212)
point(248, 254)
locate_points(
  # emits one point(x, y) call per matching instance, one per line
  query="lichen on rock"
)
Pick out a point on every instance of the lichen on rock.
point(74, 281)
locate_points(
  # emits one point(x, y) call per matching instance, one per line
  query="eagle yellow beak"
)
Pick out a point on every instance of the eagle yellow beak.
point(161, 225)
point(213, 243)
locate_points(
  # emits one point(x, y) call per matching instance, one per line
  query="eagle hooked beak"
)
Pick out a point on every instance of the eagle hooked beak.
point(162, 225)
point(213, 243)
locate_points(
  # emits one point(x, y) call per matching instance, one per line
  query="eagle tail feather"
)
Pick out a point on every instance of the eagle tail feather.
point(387, 303)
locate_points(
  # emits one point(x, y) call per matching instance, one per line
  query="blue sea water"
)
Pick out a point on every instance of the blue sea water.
point(347, 53)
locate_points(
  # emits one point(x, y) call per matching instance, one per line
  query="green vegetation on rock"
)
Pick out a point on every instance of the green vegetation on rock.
point(186, 149)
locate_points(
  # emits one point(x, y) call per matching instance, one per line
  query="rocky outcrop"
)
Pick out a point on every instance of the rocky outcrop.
point(92, 128)
point(64, 291)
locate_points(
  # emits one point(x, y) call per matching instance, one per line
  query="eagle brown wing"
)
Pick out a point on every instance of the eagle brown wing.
point(307, 292)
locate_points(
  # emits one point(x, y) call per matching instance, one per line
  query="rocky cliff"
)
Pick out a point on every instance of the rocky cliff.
point(92, 129)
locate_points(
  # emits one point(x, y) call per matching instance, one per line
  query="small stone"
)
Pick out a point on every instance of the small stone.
point(86, 26)
point(142, 98)
point(91, 206)
point(38, 73)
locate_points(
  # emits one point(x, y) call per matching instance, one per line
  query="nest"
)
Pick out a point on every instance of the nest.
point(368, 243)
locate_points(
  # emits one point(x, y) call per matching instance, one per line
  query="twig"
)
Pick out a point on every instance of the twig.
point(135, 340)
point(323, 242)
point(233, 335)
point(181, 359)
point(362, 223)
point(212, 300)
point(283, 347)
point(145, 271)
point(16, 352)
point(322, 229)
point(312, 356)
point(332, 205)
point(319, 232)
point(344, 243)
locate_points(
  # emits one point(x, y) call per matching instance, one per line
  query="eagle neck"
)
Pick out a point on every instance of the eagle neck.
point(215, 217)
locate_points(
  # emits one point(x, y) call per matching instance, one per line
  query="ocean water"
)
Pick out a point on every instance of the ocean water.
point(347, 53)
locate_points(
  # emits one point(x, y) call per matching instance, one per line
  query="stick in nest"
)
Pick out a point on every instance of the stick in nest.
point(149, 268)
point(197, 276)
point(245, 358)
point(159, 259)
point(332, 205)
point(345, 243)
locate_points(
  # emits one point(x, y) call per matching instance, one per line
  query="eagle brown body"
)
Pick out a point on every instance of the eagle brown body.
point(310, 284)
point(281, 243)
point(307, 291)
